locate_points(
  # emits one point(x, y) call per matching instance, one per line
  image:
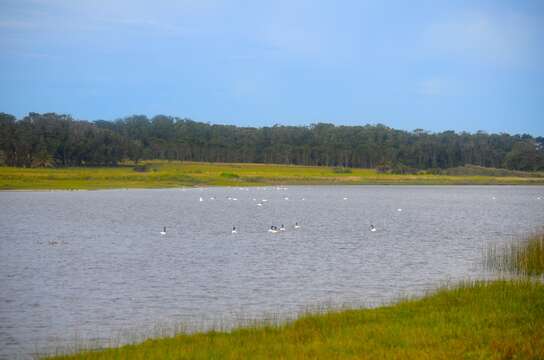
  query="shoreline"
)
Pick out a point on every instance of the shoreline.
point(164, 175)
point(269, 185)
point(439, 324)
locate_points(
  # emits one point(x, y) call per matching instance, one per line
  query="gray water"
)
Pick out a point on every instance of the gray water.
point(91, 266)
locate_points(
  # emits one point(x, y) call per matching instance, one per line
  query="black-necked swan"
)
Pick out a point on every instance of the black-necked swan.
point(273, 229)
point(163, 232)
point(282, 228)
point(372, 228)
point(297, 226)
point(234, 230)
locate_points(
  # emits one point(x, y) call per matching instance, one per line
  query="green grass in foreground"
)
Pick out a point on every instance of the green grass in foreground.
point(164, 174)
point(498, 320)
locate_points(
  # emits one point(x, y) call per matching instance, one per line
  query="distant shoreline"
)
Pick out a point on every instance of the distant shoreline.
point(176, 174)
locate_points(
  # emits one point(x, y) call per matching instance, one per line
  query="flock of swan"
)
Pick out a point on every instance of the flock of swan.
point(275, 229)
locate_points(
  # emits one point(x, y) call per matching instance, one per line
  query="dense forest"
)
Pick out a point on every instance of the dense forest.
point(59, 140)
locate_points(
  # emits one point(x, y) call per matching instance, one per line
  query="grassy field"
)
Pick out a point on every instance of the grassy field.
point(498, 320)
point(163, 174)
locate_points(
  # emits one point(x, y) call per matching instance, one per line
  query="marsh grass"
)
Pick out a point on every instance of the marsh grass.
point(474, 170)
point(165, 174)
point(524, 257)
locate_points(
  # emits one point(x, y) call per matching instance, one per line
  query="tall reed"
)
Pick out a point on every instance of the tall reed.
point(523, 257)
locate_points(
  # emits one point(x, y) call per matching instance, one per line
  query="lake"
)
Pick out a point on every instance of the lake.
point(80, 267)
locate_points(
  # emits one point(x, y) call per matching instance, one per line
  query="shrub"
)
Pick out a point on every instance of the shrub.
point(228, 175)
point(144, 168)
point(341, 170)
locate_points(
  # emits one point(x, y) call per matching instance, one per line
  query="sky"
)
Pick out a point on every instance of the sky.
point(435, 65)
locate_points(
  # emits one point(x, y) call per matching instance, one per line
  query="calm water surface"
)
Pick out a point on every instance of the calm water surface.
point(92, 266)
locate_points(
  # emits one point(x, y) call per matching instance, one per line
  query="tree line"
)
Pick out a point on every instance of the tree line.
point(59, 140)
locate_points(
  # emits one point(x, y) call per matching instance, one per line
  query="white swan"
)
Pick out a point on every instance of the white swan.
point(163, 232)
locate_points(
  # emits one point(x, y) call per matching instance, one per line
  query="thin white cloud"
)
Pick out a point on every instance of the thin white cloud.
point(501, 39)
point(431, 87)
point(16, 24)
point(164, 15)
point(440, 86)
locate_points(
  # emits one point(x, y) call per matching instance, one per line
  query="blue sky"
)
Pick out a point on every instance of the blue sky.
point(437, 65)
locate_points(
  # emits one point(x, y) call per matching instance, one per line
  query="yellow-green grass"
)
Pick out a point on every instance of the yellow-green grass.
point(163, 174)
point(479, 320)
point(524, 257)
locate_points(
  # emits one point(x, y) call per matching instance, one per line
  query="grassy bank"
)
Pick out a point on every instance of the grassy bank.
point(162, 174)
point(499, 320)
point(502, 319)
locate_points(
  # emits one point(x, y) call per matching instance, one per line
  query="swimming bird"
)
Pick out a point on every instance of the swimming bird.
point(163, 232)
point(399, 209)
point(260, 204)
point(345, 198)
point(372, 228)
point(272, 229)
point(234, 230)
point(282, 228)
point(201, 199)
point(297, 226)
